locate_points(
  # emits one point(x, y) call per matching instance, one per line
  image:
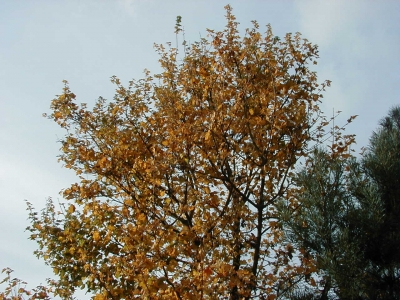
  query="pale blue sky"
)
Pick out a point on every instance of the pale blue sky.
point(43, 42)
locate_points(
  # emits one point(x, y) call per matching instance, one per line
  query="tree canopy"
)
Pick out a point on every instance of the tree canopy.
point(181, 174)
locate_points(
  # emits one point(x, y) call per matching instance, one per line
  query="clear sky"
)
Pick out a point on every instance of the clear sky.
point(86, 42)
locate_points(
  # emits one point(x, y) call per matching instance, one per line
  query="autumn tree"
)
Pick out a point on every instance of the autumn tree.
point(180, 174)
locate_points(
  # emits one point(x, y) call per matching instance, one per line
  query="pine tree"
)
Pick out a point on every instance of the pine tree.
point(382, 165)
point(321, 226)
point(347, 218)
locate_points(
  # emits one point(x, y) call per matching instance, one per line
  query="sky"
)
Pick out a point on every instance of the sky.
point(43, 42)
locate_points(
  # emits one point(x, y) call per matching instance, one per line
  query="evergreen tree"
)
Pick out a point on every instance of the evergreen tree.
point(381, 163)
point(347, 218)
point(322, 225)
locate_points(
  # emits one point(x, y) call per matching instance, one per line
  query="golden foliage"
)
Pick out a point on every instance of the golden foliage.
point(16, 289)
point(179, 174)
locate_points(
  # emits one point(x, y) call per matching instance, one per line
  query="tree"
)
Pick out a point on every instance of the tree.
point(180, 174)
point(382, 164)
point(329, 223)
point(347, 217)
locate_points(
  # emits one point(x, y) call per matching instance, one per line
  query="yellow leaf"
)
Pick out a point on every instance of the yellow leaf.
point(141, 217)
point(71, 209)
point(115, 110)
point(103, 162)
point(96, 236)
point(207, 136)
point(129, 202)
